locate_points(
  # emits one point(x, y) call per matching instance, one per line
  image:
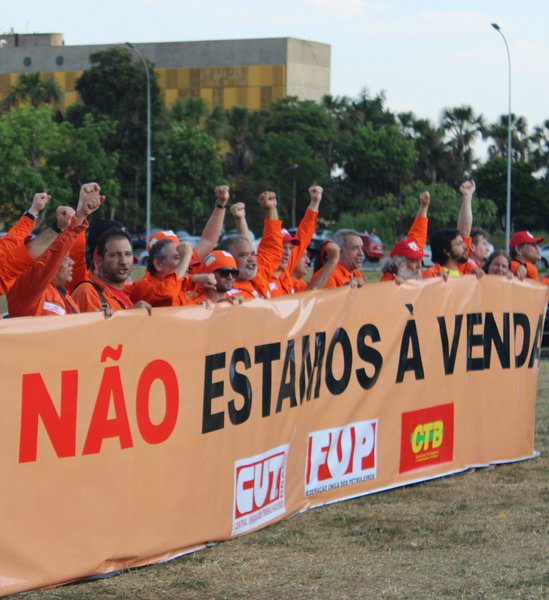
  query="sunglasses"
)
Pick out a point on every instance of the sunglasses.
point(228, 273)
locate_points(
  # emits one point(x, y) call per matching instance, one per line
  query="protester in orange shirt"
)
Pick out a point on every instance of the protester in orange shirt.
point(448, 251)
point(222, 266)
point(406, 255)
point(113, 265)
point(17, 251)
point(255, 270)
point(524, 251)
point(165, 283)
point(293, 249)
point(83, 251)
point(350, 259)
point(40, 290)
point(476, 243)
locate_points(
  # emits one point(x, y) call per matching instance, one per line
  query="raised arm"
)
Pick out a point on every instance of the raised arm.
point(465, 217)
point(324, 273)
point(212, 230)
point(418, 231)
point(238, 211)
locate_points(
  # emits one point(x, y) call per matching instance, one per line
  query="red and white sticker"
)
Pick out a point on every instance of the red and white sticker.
point(259, 489)
point(341, 456)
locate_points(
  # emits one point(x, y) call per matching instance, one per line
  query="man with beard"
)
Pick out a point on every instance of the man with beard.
point(351, 255)
point(222, 266)
point(256, 269)
point(448, 251)
point(404, 263)
point(106, 288)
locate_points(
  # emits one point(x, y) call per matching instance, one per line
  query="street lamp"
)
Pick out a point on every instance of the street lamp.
point(293, 167)
point(509, 147)
point(149, 157)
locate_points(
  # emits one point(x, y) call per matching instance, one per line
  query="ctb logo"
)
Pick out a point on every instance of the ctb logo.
point(427, 437)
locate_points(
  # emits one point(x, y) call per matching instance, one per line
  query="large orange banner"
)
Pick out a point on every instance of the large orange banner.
point(133, 439)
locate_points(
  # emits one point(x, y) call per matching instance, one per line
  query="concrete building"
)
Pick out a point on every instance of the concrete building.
point(227, 73)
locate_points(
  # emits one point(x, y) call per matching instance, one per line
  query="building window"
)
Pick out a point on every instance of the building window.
point(27, 61)
point(59, 60)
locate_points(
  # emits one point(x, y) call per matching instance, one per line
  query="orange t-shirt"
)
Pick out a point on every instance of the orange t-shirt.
point(168, 291)
point(88, 300)
point(14, 256)
point(34, 293)
point(340, 276)
point(531, 270)
point(269, 255)
point(284, 284)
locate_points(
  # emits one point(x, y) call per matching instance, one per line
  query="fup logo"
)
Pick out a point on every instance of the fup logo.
point(427, 437)
point(259, 489)
point(341, 456)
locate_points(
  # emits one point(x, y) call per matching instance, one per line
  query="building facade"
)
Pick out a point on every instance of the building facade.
point(225, 73)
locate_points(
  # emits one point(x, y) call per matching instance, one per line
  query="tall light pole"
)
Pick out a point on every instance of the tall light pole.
point(149, 157)
point(509, 147)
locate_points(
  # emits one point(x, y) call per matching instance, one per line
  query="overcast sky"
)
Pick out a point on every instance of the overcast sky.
point(423, 54)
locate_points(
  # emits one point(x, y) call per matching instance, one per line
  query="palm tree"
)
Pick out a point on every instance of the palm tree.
point(498, 132)
point(32, 89)
point(462, 127)
point(540, 149)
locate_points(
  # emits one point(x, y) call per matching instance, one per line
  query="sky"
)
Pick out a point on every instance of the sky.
point(424, 55)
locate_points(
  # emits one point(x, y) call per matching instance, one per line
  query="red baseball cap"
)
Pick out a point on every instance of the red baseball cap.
point(407, 249)
point(523, 237)
point(218, 259)
point(287, 238)
point(168, 234)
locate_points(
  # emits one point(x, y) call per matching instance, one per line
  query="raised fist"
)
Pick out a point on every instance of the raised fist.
point(332, 252)
point(238, 210)
point(222, 194)
point(64, 215)
point(425, 199)
point(39, 203)
point(184, 249)
point(315, 191)
point(467, 188)
point(267, 200)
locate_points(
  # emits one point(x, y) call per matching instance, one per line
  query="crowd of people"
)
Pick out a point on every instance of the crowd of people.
point(73, 267)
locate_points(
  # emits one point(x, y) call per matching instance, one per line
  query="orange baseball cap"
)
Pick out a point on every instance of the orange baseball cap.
point(168, 234)
point(218, 259)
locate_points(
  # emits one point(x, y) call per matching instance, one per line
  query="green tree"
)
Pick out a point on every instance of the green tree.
point(114, 87)
point(32, 89)
point(29, 138)
point(498, 133)
point(82, 157)
point(377, 161)
point(540, 149)
point(461, 127)
point(273, 169)
point(186, 173)
point(529, 196)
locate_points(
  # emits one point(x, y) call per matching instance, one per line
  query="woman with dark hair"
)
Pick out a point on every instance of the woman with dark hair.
point(497, 263)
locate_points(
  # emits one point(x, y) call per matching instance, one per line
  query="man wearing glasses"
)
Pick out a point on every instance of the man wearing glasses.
point(222, 266)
